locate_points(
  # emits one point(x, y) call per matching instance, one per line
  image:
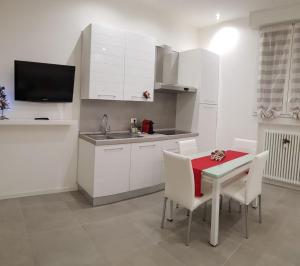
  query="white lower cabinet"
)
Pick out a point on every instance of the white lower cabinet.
point(112, 170)
point(145, 165)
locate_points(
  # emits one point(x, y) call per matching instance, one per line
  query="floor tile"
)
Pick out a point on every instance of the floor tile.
point(151, 256)
point(15, 250)
point(62, 229)
point(11, 218)
point(117, 238)
point(102, 213)
point(48, 216)
point(70, 247)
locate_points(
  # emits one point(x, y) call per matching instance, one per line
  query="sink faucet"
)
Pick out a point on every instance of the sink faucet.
point(104, 124)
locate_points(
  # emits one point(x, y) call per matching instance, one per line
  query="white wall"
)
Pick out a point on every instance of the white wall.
point(237, 45)
point(275, 15)
point(49, 31)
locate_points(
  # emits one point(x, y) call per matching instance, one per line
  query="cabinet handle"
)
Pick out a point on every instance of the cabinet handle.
point(209, 107)
point(147, 146)
point(138, 97)
point(114, 149)
point(106, 95)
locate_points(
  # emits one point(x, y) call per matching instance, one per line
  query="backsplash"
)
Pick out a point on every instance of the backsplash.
point(162, 111)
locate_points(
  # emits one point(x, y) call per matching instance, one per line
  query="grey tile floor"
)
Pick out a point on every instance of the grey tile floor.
point(61, 229)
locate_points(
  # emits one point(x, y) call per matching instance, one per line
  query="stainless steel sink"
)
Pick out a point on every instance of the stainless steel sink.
point(124, 136)
point(113, 136)
point(98, 136)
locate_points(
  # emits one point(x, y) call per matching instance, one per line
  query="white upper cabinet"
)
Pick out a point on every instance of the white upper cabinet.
point(103, 56)
point(209, 86)
point(189, 68)
point(200, 68)
point(207, 126)
point(116, 64)
point(139, 67)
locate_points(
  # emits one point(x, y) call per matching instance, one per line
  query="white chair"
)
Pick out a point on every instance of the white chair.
point(246, 192)
point(245, 145)
point(249, 146)
point(188, 147)
point(180, 186)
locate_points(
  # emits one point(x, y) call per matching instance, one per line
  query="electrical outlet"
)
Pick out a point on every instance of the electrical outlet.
point(133, 120)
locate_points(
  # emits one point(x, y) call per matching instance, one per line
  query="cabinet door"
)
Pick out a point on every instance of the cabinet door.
point(139, 67)
point(112, 169)
point(209, 87)
point(145, 165)
point(207, 127)
point(189, 68)
point(107, 63)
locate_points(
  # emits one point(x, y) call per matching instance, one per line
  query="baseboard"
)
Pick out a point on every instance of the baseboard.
point(38, 192)
point(98, 201)
point(280, 184)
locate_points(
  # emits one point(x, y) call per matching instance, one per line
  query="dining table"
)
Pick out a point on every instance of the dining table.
point(217, 175)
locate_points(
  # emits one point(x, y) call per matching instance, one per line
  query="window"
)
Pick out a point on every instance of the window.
point(279, 80)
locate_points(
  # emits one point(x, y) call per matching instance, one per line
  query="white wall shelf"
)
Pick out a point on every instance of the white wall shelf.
point(28, 122)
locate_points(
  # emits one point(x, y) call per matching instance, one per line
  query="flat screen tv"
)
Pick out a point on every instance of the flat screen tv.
point(40, 82)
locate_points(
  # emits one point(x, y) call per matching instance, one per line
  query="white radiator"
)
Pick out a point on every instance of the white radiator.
point(284, 159)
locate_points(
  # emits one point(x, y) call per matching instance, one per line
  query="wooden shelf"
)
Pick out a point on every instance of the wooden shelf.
point(19, 122)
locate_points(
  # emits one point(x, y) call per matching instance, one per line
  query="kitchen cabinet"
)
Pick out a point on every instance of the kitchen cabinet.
point(116, 65)
point(103, 55)
point(112, 170)
point(111, 173)
point(139, 67)
point(145, 165)
point(207, 127)
point(103, 170)
point(200, 68)
point(209, 84)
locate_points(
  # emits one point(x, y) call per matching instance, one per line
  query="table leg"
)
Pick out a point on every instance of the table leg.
point(214, 229)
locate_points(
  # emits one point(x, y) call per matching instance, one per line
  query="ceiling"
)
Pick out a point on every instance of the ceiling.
point(202, 13)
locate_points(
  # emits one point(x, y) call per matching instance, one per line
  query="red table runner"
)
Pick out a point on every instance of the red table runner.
point(203, 163)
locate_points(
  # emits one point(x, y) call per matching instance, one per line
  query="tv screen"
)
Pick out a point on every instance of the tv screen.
point(39, 82)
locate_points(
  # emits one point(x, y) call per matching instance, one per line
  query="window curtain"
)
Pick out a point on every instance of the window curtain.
point(275, 54)
point(294, 90)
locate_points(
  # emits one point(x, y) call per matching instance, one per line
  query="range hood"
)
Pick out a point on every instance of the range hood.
point(167, 67)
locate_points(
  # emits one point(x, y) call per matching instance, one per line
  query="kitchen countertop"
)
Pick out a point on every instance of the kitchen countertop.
point(145, 138)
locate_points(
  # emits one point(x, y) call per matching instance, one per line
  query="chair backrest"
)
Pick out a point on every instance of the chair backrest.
point(245, 145)
point(179, 179)
point(188, 147)
point(254, 178)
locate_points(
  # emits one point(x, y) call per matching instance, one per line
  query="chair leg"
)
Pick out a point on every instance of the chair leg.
point(164, 213)
point(259, 210)
point(188, 213)
point(240, 208)
point(205, 212)
point(221, 202)
point(170, 219)
point(188, 237)
point(246, 221)
point(229, 205)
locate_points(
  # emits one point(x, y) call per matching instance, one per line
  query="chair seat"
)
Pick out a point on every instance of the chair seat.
point(236, 190)
point(207, 195)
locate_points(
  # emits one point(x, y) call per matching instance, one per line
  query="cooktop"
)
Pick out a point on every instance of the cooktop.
point(172, 132)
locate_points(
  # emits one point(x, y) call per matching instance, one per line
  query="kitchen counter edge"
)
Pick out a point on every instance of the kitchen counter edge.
point(147, 138)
